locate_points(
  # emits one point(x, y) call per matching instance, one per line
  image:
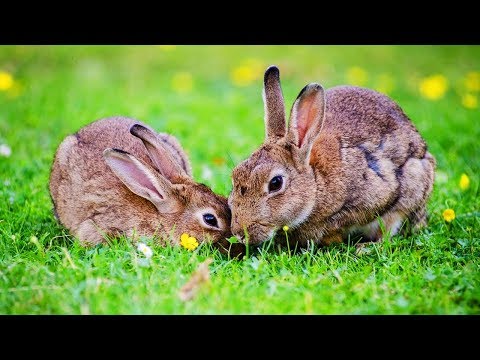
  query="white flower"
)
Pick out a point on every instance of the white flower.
point(207, 173)
point(441, 177)
point(145, 250)
point(5, 150)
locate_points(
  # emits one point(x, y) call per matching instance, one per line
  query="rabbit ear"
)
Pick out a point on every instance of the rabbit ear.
point(306, 118)
point(275, 121)
point(159, 153)
point(141, 179)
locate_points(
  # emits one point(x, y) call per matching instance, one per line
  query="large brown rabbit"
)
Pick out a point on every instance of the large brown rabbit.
point(349, 156)
point(117, 176)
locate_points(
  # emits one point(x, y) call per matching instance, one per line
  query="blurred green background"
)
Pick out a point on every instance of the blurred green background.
point(209, 97)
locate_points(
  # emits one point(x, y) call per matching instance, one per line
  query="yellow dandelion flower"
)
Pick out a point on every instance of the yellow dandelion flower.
point(285, 228)
point(167, 47)
point(247, 72)
point(448, 215)
point(470, 101)
point(464, 182)
point(384, 83)
point(357, 76)
point(242, 76)
point(433, 87)
point(188, 242)
point(182, 82)
point(472, 81)
point(6, 81)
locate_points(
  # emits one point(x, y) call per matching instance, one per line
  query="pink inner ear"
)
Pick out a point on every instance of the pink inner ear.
point(132, 175)
point(307, 111)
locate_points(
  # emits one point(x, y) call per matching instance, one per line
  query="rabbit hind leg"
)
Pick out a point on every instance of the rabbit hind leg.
point(416, 182)
point(392, 223)
point(389, 223)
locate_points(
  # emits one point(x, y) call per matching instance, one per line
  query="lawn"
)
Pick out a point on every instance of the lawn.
point(209, 97)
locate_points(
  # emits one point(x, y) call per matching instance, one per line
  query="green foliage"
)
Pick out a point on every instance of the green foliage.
point(210, 98)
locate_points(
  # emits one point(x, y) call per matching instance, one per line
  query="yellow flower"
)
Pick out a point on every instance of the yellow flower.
point(464, 182)
point(470, 101)
point(285, 228)
point(357, 76)
point(472, 81)
point(6, 81)
point(247, 72)
point(182, 82)
point(242, 76)
point(433, 87)
point(188, 242)
point(167, 47)
point(449, 215)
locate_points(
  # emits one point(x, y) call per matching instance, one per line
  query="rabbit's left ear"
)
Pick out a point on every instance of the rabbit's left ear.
point(275, 121)
point(306, 118)
point(159, 154)
point(142, 179)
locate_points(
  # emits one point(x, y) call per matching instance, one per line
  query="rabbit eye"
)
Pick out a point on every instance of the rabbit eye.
point(210, 219)
point(275, 184)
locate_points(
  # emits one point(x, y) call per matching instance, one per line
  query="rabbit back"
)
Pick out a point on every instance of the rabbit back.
point(373, 162)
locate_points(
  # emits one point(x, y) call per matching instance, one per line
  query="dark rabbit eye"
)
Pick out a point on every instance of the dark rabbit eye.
point(275, 184)
point(210, 219)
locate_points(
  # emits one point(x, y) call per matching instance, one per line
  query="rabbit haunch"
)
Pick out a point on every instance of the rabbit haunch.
point(348, 156)
point(117, 176)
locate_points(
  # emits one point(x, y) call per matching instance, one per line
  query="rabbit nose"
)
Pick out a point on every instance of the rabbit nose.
point(237, 230)
point(240, 237)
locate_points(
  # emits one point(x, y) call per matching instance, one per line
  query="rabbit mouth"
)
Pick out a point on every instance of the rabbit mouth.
point(258, 233)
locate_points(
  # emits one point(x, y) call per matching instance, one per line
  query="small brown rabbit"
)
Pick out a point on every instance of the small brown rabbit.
point(117, 176)
point(349, 156)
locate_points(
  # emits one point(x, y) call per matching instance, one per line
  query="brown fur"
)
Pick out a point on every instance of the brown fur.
point(350, 156)
point(92, 202)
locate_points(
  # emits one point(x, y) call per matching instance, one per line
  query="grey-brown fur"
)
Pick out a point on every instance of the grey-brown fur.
point(91, 201)
point(367, 160)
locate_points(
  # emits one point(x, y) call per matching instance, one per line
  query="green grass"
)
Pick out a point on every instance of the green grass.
point(219, 124)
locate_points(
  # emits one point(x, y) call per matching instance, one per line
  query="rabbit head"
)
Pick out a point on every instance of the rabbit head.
point(117, 176)
point(183, 205)
point(276, 182)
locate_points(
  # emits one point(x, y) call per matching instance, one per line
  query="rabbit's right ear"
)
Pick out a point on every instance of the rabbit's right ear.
point(159, 153)
point(275, 121)
point(306, 118)
point(142, 179)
